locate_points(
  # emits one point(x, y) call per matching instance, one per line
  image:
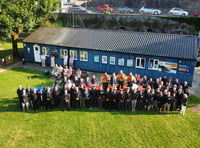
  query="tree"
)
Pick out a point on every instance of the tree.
point(19, 15)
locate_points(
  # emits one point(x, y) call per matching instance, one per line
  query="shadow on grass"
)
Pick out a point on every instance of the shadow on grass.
point(13, 106)
point(34, 75)
point(4, 53)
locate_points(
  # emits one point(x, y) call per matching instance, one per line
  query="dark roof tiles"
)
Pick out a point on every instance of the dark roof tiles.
point(153, 44)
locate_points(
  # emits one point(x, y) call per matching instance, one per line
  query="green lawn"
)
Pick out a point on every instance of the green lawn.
point(6, 48)
point(55, 128)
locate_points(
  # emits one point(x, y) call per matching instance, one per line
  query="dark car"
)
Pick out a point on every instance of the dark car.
point(124, 8)
point(197, 13)
point(78, 10)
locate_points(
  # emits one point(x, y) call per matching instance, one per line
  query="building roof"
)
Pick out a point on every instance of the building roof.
point(143, 43)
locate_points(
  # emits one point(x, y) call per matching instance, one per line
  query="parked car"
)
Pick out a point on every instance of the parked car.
point(101, 8)
point(146, 10)
point(124, 8)
point(78, 6)
point(78, 10)
point(178, 12)
point(197, 13)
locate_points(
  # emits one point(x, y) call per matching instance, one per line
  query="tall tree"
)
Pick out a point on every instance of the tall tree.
point(19, 15)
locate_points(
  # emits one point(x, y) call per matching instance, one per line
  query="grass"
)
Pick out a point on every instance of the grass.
point(84, 128)
point(6, 48)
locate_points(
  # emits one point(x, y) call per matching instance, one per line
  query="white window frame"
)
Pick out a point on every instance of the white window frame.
point(102, 61)
point(154, 67)
point(121, 61)
point(95, 59)
point(128, 62)
point(61, 52)
point(70, 53)
point(140, 63)
point(85, 53)
point(45, 50)
point(112, 59)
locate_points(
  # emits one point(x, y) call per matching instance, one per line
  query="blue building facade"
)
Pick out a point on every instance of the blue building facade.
point(154, 59)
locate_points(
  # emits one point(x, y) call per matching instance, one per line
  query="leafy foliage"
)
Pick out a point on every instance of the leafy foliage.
point(24, 14)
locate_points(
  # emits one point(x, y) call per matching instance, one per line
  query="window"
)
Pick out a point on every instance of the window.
point(121, 61)
point(104, 59)
point(112, 60)
point(96, 58)
point(83, 56)
point(129, 62)
point(45, 50)
point(74, 54)
point(140, 62)
point(153, 64)
point(63, 52)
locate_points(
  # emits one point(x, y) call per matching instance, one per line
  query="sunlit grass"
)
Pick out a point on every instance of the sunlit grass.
point(88, 128)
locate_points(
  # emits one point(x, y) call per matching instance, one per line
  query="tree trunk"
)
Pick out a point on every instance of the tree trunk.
point(14, 43)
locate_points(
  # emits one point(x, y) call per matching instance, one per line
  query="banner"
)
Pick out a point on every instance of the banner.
point(168, 67)
point(183, 69)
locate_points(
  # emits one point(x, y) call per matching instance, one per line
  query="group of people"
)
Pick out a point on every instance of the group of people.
point(117, 92)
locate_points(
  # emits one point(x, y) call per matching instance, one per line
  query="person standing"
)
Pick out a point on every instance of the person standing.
point(179, 97)
point(56, 96)
point(108, 99)
point(184, 104)
point(134, 99)
point(24, 63)
point(69, 73)
point(120, 79)
point(100, 97)
point(130, 80)
point(48, 98)
point(78, 73)
point(121, 99)
point(93, 80)
point(25, 101)
point(66, 98)
point(43, 58)
point(29, 92)
point(140, 100)
point(65, 59)
point(34, 99)
point(72, 91)
point(87, 82)
point(114, 99)
point(105, 81)
point(41, 99)
point(113, 80)
point(147, 100)
point(77, 95)
point(127, 99)
point(86, 97)
point(160, 101)
point(52, 61)
point(92, 95)
point(19, 93)
point(71, 61)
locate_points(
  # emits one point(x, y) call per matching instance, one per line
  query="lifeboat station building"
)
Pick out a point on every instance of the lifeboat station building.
point(151, 54)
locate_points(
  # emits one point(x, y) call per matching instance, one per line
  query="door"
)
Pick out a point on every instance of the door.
point(37, 55)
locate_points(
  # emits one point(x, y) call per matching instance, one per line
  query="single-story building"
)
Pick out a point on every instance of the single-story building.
point(150, 54)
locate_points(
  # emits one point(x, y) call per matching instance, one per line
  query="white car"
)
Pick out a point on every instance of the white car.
point(147, 10)
point(178, 12)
